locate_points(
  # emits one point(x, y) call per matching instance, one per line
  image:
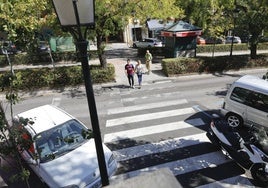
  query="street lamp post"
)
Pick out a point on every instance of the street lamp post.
point(73, 15)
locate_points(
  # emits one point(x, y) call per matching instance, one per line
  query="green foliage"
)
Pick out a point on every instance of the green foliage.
point(37, 78)
point(102, 75)
point(11, 144)
point(178, 66)
point(20, 20)
point(32, 59)
point(227, 47)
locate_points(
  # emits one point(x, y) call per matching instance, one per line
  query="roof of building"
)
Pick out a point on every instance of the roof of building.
point(182, 26)
point(155, 24)
point(181, 29)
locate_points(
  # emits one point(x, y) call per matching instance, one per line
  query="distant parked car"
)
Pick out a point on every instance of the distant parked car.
point(7, 47)
point(264, 39)
point(213, 40)
point(43, 47)
point(61, 149)
point(236, 39)
point(148, 43)
point(200, 40)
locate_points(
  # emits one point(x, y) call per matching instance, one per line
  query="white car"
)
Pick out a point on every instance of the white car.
point(246, 102)
point(60, 154)
point(147, 43)
point(228, 40)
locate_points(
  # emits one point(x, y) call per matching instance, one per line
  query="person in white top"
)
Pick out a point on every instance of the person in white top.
point(139, 71)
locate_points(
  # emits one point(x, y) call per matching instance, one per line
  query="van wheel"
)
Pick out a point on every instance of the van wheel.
point(234, 120)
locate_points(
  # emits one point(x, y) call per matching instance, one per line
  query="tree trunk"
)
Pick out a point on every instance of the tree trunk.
point(100, 51)
point(253, 51)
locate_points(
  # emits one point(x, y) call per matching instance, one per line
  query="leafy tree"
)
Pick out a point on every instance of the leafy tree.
point(253, 18)
point(112, 16)
point(10, 138)
point(216, 17)
point(210, 15)
point(21, 20)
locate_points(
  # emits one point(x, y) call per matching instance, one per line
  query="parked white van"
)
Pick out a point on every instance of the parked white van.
point(246, 102)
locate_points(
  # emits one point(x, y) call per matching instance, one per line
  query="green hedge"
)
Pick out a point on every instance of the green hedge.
point(177, 66)
point(227, 47)
point(37, 78)
point(35, 59)
point(160, 51)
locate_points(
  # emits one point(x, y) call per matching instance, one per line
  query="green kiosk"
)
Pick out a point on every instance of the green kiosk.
point(180, 40)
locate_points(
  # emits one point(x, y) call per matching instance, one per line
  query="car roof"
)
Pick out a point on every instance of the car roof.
point(44, 118)
point(253, 82)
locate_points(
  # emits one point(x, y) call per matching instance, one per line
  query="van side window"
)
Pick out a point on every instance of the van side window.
point(240, 95)
point(259, 101)
point(251, 98)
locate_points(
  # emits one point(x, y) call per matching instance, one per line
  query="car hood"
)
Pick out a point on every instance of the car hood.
point(78, 167)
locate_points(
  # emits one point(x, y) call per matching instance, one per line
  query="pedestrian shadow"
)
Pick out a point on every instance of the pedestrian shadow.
point(121, 86)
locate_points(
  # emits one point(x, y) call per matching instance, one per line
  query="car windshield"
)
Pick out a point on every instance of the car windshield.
point(60, 140)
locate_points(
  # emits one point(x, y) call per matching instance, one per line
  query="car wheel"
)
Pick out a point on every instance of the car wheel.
point(134, 46)
point(234, 120)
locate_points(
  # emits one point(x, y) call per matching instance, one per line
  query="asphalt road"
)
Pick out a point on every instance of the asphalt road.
point(203, 93)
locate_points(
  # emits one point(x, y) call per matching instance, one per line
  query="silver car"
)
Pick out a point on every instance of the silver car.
point(246, 102)
point(235, 39)
point(148, 43)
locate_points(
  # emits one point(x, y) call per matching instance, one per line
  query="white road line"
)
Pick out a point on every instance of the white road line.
point(157, 95)
point(183, 166)
point(150, 116)
point(233, 182)
point(150, 130)
point(145, 106)
point(158, 147)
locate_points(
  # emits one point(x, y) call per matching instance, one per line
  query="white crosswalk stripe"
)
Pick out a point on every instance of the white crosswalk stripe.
point(144, 117)
point(145, 106)
point(150, 130)
point(142, 152)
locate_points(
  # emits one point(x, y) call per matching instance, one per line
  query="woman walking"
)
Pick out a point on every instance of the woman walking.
point(139, 72)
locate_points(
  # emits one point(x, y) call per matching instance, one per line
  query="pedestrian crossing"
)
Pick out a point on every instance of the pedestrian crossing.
point(168, 134)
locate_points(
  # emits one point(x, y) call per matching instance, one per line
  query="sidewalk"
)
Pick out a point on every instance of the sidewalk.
point(121, 78)
point(119, 64)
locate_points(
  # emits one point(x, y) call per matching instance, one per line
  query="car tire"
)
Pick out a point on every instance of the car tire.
point(234, 120)
point(134, 46)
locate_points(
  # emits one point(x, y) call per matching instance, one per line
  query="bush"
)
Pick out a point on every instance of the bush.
point(37, 78)
point(176, 66)
point(35, 59)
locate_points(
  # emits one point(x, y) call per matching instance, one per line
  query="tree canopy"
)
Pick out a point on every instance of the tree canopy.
point(24, 20)
point(21, 20)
